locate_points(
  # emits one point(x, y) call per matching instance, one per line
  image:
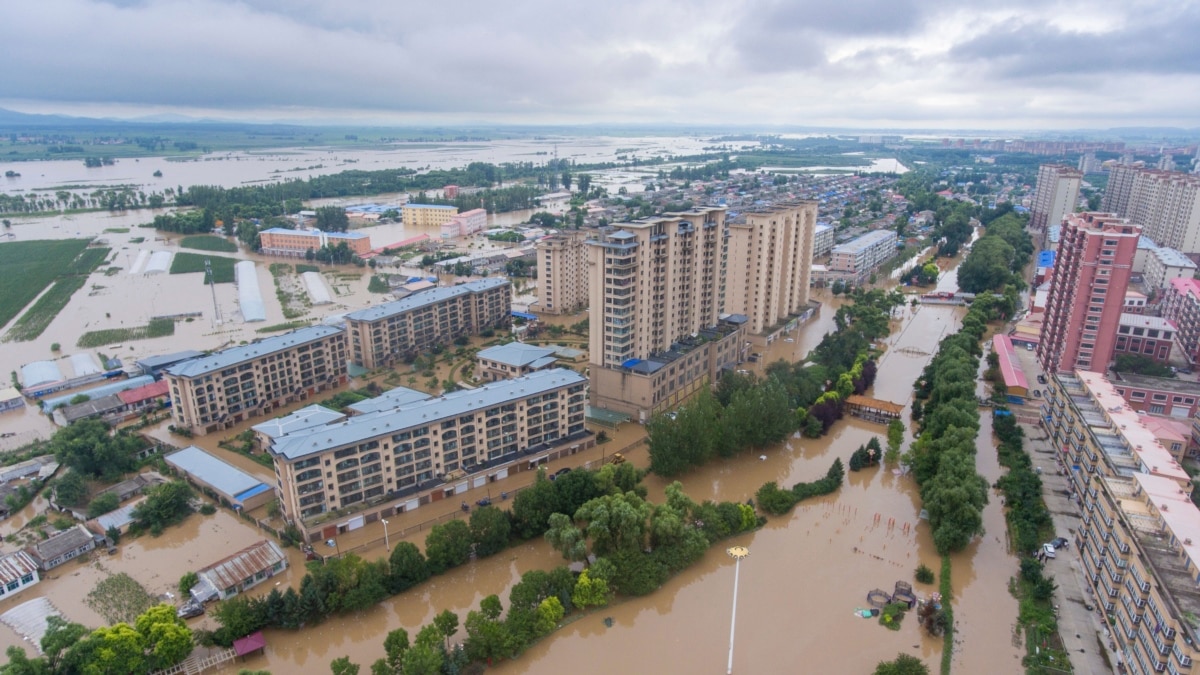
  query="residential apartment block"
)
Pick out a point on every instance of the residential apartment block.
point(1055, 195)
point(297, 243)
point(1166, 396)
point(1143, 335)
point(428, 215)
point(465, 224)
point(657, 329)
point(398, 330)
point(855, 260)
point(219, 390)
point(384, 461)
point(1138, 546)
point(515, 359)
point(562, 270)
point(1165, 203)
point(1181, 305)
point(823, 239)
point(770, 261)
point(1164, 264)
point(1087, 292)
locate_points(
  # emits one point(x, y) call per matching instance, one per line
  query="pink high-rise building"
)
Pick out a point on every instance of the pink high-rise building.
point(1087, 292)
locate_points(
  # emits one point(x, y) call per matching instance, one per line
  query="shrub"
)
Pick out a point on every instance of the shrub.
point(924, 574)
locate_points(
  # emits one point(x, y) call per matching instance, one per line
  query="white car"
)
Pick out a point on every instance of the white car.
point(1048, 550)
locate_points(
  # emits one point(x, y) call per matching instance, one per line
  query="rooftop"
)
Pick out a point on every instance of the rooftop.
point(235, 355)
point(411, 205)
point(63, 542)
point(1186, 287)
point(873, 238)
point(1147, 321)
point(155, 362)
point(1173, 385)
point(1177, 535)
point(16, 565)
point(144, 392)
point(304, 418)
point(1172, 258)
point(244, 564)
point(517, 354)
point(392, 399)
point(317, 233)
point(212, 470)
point(424, 299)
point(1014, 376)
point(354, 429)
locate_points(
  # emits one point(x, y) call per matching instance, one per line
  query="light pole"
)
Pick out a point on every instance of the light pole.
point(386, 546)
point(737, 553)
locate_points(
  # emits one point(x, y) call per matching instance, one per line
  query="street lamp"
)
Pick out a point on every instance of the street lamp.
point(737, 553)
point(386, 545)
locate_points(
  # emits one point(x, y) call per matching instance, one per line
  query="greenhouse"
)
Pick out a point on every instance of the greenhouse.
point(318, 292)
point(160, 262)
point(249, 296)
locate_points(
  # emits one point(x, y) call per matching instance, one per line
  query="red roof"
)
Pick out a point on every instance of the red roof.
point(1186, 287)
point(144, 392)
point(250, 643)
point(1009, 368)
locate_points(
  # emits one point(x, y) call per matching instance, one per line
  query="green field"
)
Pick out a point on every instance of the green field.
point(280, 327)
point(302, 268)
point(99, 338)
point(187, 263)
point(208, 242)
point(38, 317)
point(29, 267)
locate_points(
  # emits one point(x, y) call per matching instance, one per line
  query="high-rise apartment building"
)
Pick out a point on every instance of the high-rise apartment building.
point(657, 328)
point(391, 331)
point(562, 271)
point(1181, 305)
point(1055, 196)
point(770, 262)
point(1165, 203)
point(1087, 292)
point(223, 388)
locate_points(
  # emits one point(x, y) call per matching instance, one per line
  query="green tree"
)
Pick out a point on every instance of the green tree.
point(394, 645)
point(489, 530)
point(565, 537)
point(343, 666)
point(448, 545)
point(447, 625)
point(19, 662)
point(187, 581)
point(166, 637)
point(549, 613)
point(532, 507)
point(113, 649)
point(487, 636)
point(103, 504)
point(615, 522)
point(59, 638)
point(332, 219)
point(988, 267)
point(589, 592)
point(71, 489)
point(164, 505)
point(423, 659)
point(408, 567)
point(902, 665)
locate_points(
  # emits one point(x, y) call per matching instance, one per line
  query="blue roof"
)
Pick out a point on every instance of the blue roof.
point(256, 490)
point(631, 363)
point(1046, 258)
point(430, 206)
point(117, 387)
point(318, 233)
point(525, 315)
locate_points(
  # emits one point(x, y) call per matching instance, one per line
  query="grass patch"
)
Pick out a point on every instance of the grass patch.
point(137, 240)
point(947, 591)
point(156, 328)
point(378, 284)
point(111, 271)
point(34, 322)
point(116, 230)
point(208, 242)
point(87, 261)
point(188, 263)
point(302, 268)
point(119, 598)
point(29, 267)
point(281, 327)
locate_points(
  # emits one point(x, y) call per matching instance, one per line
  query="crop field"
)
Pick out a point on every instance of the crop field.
point(33, 322)
point(29, 267)
point(108, 336)
point(208, 242)
point(187, 263)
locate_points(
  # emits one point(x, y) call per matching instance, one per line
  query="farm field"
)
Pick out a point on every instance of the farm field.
point(29, 267)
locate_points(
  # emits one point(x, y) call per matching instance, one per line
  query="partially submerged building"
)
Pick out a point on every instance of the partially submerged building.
point(239, 572)
point(18, 571)
point(234, 487)
point(62, 547)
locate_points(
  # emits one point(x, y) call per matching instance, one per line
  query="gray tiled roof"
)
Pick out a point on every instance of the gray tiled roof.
point(235, 355)
point(424, 299)
point(515, 353)
point(304, 418)
point(390, 400)
point(355, 429)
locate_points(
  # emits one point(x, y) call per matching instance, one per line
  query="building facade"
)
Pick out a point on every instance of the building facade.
point(1163, 265)
point(465, 224)
point(1087, 292)
point(18, 571)
point(219, 390)
point(770, 264)
point(1165, 203)
point(1055, 195)
point(393, 331)
point(1169, 397)
point(823, 240)
point(1142, 335)
point(657, 327)
point(855, 260)
point(297, 243)
point(1181, 305)
point(515, 359)
point(428, 215)
point(239, 572)
point(383, 461)
point(62, 547)
point(562, 270)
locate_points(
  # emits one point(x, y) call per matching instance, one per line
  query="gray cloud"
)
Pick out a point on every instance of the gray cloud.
point(975, 63)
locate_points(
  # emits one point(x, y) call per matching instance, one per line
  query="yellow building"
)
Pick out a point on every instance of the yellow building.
point(770, 261)
point(562, 270)
point(223, 388)
point(428, 215)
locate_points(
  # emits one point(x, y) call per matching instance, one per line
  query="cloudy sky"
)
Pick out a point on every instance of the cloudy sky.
point(998, 64)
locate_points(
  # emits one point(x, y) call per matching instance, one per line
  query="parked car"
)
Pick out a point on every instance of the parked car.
point(190, 609)
point(1061, 542)
point(562, 472)
point(1048, 550)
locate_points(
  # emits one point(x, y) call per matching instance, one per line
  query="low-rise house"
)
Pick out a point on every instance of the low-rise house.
point(63, 546)
point(234, 487)
point(504, 362)
point(18, 571)
point(239, 572)
point(11, 399)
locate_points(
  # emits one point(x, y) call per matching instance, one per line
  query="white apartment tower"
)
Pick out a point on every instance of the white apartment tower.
point(771, 255)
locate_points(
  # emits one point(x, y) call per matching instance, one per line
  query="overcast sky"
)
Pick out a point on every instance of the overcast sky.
point(999, 64)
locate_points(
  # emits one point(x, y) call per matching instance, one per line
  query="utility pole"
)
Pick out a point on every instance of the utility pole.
point(213, 286)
